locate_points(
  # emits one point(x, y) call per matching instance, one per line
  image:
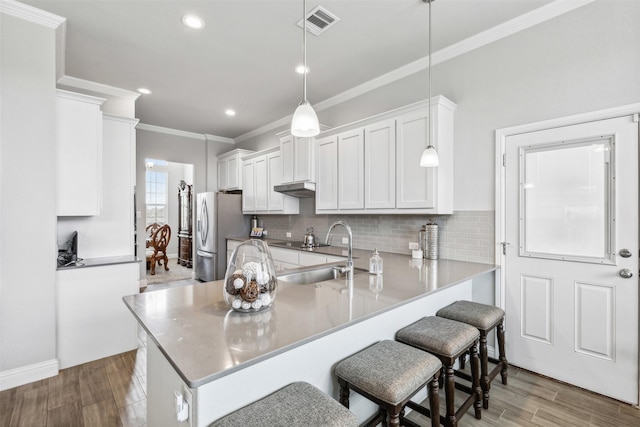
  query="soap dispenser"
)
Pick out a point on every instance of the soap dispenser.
point(375, 263)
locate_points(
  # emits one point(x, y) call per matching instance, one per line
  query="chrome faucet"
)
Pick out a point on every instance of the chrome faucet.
point(349, 267)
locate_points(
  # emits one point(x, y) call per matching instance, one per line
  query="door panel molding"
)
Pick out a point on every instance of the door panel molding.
point(595, 320)
point(536, 302)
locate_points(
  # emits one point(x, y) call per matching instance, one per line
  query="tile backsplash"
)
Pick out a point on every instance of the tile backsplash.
point(464, 235)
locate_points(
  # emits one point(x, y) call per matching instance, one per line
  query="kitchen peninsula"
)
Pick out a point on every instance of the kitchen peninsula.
point(220, 360)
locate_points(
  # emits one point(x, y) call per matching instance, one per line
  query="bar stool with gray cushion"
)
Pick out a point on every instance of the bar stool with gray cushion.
point(483, 317)
point(298, 404)
point(448, 340)
point(389, 374)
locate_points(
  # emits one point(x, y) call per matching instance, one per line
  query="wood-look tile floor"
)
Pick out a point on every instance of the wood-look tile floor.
point(111, 392)
point(103, 393)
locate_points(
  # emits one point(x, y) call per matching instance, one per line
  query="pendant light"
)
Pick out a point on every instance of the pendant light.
point(305, 120)
point(429, 158)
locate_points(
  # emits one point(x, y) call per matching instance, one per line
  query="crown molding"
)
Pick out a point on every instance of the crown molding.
point(508, 28)
point(184, 134)
point(31, 14)
point(97, 87)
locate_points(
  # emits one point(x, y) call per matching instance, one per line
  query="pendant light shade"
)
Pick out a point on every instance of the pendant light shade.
point(429, 158)
point(305, 120)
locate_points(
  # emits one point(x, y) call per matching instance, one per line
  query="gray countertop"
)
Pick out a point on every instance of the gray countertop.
point(204, 340)
point(99, 262)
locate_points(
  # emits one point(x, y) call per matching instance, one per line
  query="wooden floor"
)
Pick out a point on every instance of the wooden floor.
point(112, 392)
point(104, 393)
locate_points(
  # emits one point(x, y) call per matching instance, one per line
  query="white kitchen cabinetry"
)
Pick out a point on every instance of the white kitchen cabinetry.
point(308, 259)
point(260, 173)
point(79, 154)
point(229, 170)
point(298, 159)
point(284, 259)
point(351, 170)
point(380, 165)
point(374, 166)
point(92, 320)
point(327, 174)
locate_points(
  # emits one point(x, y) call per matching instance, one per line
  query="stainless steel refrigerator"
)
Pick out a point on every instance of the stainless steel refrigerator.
point(218, 216)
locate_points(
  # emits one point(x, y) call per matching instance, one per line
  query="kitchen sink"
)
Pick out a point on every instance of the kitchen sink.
point(306, 276)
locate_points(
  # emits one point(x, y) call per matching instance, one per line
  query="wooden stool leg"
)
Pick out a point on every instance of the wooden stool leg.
point(484, 370)
point(449, 392)
point(475, 375)
point(503, 357)
point(394, 420)
point(434, 401)
point(344, 393)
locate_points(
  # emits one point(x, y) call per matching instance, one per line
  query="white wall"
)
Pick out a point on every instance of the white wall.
point(585, 60)
point(27, 200)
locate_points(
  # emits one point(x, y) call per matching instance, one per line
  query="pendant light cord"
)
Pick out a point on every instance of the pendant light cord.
point(429, 102)
point(304, 50)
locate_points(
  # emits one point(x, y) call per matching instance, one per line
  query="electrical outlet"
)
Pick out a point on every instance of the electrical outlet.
point(188, 399)
point(413, 245)
point(345, 240)
point(288, 234)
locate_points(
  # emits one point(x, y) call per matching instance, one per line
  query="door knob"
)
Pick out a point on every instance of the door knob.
point(625, 273)
point(625, 253)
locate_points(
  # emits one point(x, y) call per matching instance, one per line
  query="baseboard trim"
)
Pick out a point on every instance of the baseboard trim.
point(28, 374)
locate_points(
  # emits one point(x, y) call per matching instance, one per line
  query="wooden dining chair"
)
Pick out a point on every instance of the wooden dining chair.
point(157, 247)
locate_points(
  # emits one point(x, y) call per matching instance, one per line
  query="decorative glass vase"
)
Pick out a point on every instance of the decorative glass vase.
point(250, 282)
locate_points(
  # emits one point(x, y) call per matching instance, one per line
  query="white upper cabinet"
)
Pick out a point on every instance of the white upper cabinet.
point(351, 170)
point(275, 200)
point(373, 166)
point(261, 172)
point(79, 154)
point(298, 162)
point(327, 173)
point(380, 165)
point(230, 170)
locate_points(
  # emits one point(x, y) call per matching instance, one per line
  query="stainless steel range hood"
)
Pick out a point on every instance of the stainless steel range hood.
point(298, 189)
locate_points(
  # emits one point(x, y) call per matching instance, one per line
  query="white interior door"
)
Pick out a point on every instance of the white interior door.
point(571, 221)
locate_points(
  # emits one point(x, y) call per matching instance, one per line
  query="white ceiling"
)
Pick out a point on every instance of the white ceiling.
point(244, 57)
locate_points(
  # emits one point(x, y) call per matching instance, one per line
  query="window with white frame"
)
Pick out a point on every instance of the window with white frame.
point(157, 189)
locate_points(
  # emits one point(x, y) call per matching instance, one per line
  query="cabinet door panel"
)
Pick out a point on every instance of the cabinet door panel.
point(327, 173)
point(233, 175)
point(303, 165)
point(260, 183)
point(275, 199)
point(351, 170)
point(248, 193)
point(380, 165)
point(415, 185)
point(223, 181)
point(286, 151)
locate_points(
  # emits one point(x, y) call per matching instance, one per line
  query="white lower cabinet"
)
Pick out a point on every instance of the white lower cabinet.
point(260, 173)
point(92, 320)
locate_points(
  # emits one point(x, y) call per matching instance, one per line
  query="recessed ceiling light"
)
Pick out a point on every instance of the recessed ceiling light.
point(192, 21)
point(300, 69)
point(144, 91)
point(230, 112)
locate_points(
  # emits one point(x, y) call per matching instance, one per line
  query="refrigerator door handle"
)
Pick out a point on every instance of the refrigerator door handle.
point(205, 223)
point(205, 254)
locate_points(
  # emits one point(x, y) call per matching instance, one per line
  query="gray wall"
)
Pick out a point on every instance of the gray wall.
point(585, 60)
point(197, 152)
point(27, 195)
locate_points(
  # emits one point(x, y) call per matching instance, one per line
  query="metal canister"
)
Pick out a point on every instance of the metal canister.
point(431, 243)
point(422, 240)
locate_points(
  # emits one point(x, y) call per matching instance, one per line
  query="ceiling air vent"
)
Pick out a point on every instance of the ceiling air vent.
point(319, 20)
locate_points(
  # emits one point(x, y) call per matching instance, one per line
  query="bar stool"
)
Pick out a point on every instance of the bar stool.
point(297, 404)
point(389, 374)
point(448, 340)
point(483, 317)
